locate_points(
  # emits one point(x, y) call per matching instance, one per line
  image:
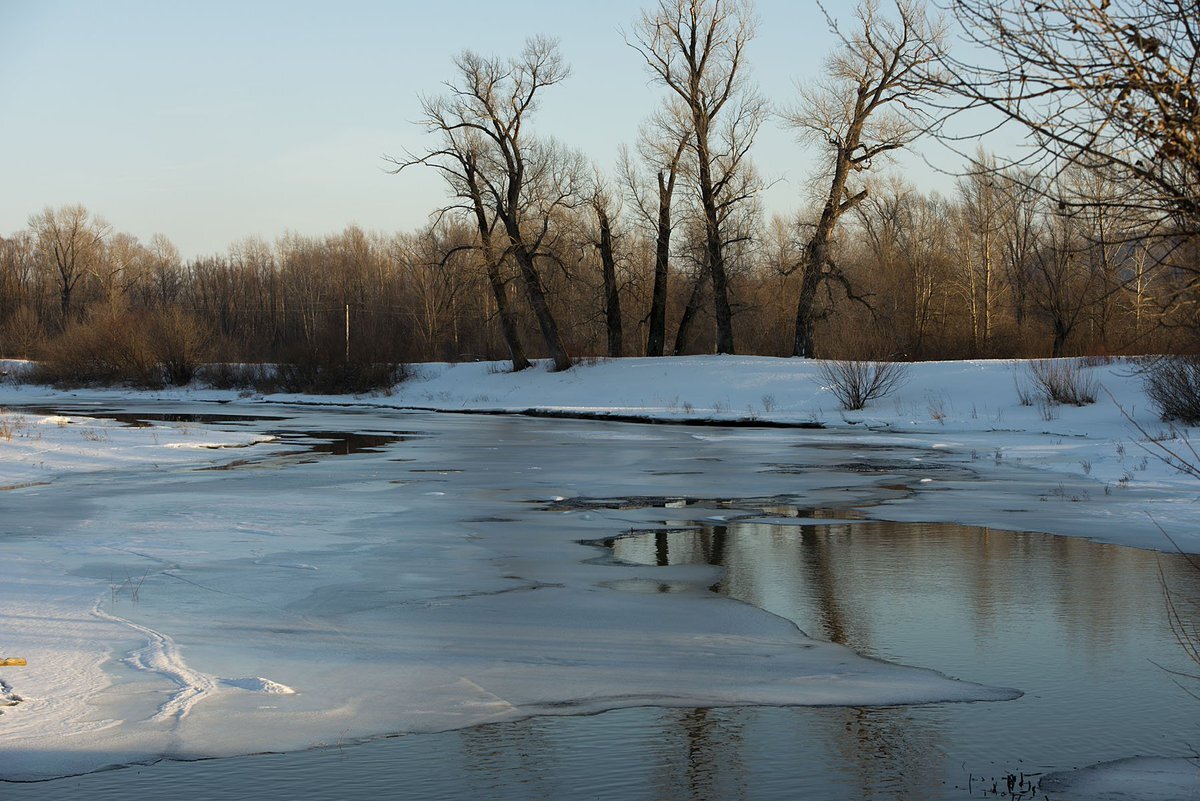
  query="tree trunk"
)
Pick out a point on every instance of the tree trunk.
point(612, 295)
point(816, 255)
point(802, 344)
point(1061, 332)
point(689, 315)
point(536, 294)
point(508, 323)
point(715, 252)
point(656, 338)
point(64, 302)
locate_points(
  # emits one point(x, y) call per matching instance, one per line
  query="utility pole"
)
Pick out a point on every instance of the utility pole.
point(347, 333)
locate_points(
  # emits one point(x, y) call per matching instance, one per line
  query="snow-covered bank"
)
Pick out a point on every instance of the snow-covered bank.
point(1134, 779)
point(1099, 476)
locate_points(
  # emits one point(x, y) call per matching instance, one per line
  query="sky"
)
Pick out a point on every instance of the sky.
point(216, 121)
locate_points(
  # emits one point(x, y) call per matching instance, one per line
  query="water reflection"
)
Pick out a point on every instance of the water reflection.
point(940, 590)
point(1079, 626)
point(1074, 624)
point(710, 765)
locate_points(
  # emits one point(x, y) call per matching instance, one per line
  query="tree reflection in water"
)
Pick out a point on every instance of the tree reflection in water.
point(1069, 621)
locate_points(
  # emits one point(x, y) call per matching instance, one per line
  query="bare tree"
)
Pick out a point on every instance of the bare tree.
point(1024, 195)
point(982, 210)
point(70, 239)
point(1102, 84)
point(1060, 281)
point(460, 161)
point(904, 234)
point(511, 181)
point(662, 146)
point(860, 112)
point(696, 48)
point(18, 272)
point(606, 209)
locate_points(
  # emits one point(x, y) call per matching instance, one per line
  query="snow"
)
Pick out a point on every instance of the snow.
point(36, 448)
point(1133, 779)
point(363, 603)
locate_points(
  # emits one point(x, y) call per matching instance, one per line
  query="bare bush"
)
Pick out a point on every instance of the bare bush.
point(1062, 381)
point(181, 343)
point(21, 333)
point(225, 375)
point(856, 382)
point(9, 426)
point(1173, 385)
point(107, 348)
point(307, 374)
point(1025, 394)
point(312, 375)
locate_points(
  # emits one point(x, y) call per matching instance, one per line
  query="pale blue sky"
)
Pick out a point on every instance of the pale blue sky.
point(213, 121)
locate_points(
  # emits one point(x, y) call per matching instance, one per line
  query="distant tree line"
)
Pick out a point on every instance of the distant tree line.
point(1081, 249)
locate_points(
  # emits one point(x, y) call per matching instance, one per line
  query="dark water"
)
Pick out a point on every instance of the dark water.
point(1081, 628)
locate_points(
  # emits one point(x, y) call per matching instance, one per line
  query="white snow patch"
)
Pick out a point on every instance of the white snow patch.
point(161, 655)
point(1134, 779)
point(257, 684)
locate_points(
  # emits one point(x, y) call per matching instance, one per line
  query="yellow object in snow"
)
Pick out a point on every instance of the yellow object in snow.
point(12, 661)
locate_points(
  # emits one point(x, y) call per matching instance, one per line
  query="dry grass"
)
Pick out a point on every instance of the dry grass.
point(1060, 382)
point(1173, 384)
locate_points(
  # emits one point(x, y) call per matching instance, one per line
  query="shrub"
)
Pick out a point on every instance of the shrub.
point(116, 345)
point(224, 375)
point(1173, 385)
point(308, 375)
point(856, 383)
point(182, 342)
point(109, 347)
point(324, 371)
point(1025, 394)
point(1062, 381)
point(21, 333)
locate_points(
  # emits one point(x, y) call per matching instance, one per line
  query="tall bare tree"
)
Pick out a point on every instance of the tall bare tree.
point(662, 146)
point(860, 112)
point(487, 154)
point(983, 210)
point(459, 161)
point(696, 48)
point(71, 241)
point(605, 207)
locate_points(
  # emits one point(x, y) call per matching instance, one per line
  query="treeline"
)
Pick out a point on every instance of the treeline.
point(541, 254)
point(996, 271)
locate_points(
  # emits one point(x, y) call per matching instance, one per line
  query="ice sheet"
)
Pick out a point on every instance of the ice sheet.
point(168, 612)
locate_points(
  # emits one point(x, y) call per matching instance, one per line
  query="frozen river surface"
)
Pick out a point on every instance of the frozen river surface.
point(488, 585)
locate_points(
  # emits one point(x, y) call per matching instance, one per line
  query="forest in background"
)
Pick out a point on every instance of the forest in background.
point(1091, 245)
